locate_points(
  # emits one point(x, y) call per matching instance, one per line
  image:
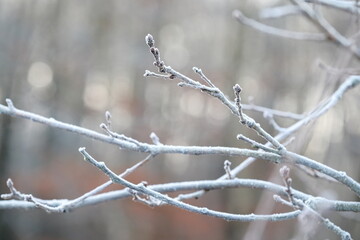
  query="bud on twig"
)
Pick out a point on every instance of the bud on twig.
point(149, 40)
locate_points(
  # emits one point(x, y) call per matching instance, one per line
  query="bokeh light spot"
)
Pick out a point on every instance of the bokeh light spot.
point(40, 75)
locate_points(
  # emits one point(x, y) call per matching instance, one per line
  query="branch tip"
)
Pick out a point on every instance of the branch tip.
point(10, 104)
point(196, 70)
point(240, 137)
point(284, 172)
point(227, 169)
point(237, 13)
point(108, 118)
point(9, 183)
point(149, 39)
point(82, 149)
point(155, 139)
point(147, 73)
point(237, 89)
point(103, 126)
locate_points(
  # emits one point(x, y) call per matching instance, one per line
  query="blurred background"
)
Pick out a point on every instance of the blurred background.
point(73, 60)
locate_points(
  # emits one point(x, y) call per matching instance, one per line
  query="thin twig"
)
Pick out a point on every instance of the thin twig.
point(344, 235)
point(238, 15)
point(227, 169)
point(256, 144)
point(152, 74)
point(72, 204)
point(339, 71)
point(119, 136)
point(202, 75)
point(278, 12)
point(250, 123)
point(285, 175)
point(273, 112)
point(315, 174)
point(68, 205)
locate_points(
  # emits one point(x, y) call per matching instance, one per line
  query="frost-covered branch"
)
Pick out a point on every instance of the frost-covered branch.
point(328, 32)
point(287, 157)
point(164, 199)
point(305, 206)
point(273, 150)
point(125, 143)
point(239, 16)
point(286, 10)
point(351, 6)
point(315, 202)
point(327, 28)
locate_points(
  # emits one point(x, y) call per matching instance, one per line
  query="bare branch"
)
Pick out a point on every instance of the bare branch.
point(273, 112)
point(338, 175)
point(67, 205)
point(152, 74)
point(202, 75)
point(140, 188)
point(330, 225)
point(339, 71)
point(272, 122)
point(350, 83)
point(124, 143)
point(285, 174)
point(119, 136)
point(325, 26)
point(281, 11)
point(278, 12)
point(309, 210)
point(250, 123)
point(238, 15)
point(314, 202)
point(256, 144)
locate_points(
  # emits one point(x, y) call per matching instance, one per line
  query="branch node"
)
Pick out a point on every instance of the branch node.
point(237, 90)
point(285, 174)
point(227, 169)
point(203, 77)
point(155, 139)
point(10, 104)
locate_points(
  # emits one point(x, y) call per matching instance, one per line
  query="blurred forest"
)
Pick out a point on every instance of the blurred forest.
point(73, 60)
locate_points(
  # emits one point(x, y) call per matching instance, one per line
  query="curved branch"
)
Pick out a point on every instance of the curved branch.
point(140, 188)
point(238, 15)
point(313, 202)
